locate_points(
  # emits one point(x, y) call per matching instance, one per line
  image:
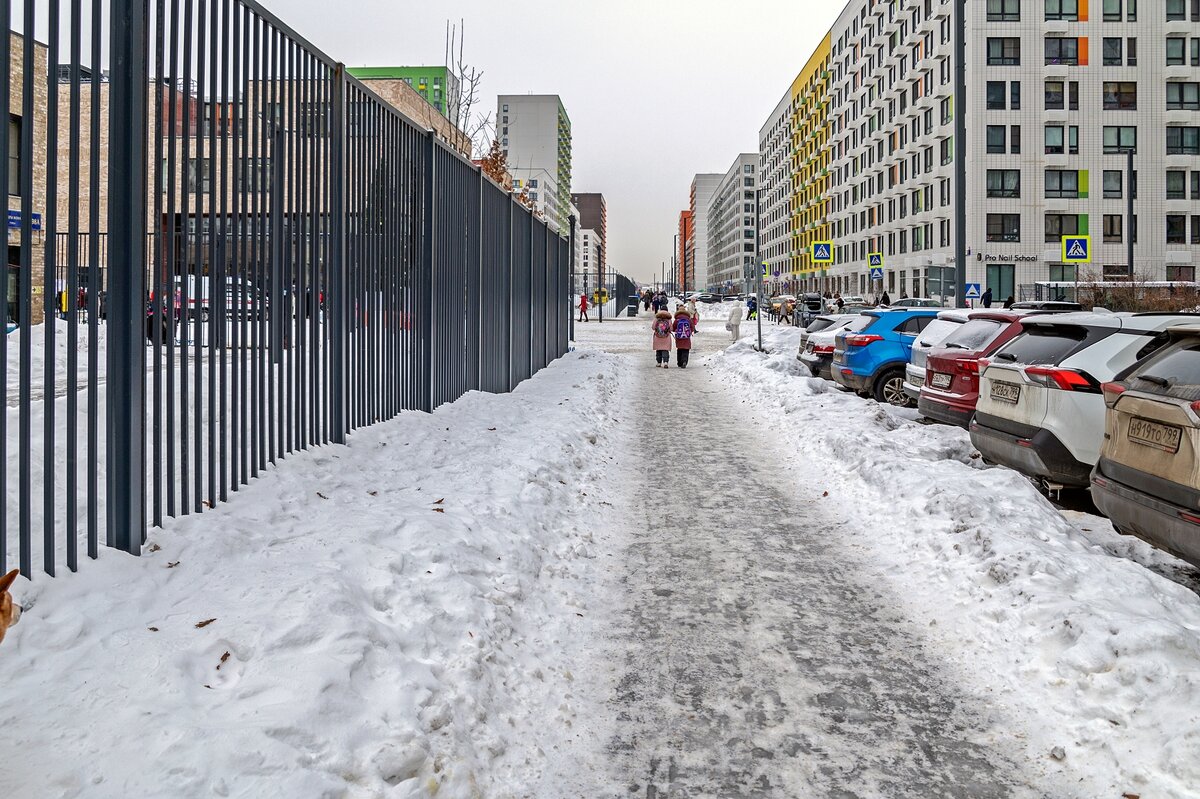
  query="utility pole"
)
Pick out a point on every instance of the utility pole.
point(960, 153)
point(1129, 212)
point(600, 281)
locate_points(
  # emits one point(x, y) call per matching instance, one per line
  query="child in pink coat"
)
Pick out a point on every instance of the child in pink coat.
point(663, 335)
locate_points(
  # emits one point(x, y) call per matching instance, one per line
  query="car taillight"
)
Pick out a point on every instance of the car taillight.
point(1111, 392)
point(862, 340)
point(1065, 379)
point(967, 367)
point(1189, 517)
point(822, 350)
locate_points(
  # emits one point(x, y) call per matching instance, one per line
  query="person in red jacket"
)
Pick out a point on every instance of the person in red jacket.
point(682, 328)
point(583, 308)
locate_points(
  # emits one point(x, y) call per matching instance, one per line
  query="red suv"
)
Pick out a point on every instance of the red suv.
point(952, 370)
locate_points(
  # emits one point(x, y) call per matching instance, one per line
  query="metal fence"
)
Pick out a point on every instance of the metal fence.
point(222, 250)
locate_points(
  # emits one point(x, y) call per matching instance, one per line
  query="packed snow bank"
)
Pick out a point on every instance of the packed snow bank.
point(397, 616)
point(1055, 617)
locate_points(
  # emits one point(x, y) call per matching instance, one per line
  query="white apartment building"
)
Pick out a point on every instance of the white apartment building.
point(732, 227)
point(776, 243)
point(1055, 93)
point(590, 244)
point(535, 134)
point(539, 185)
point(704, 186)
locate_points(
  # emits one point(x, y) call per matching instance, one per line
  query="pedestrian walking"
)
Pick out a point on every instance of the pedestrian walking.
point(1008, 303)
point(986, 299)
point(785, 311)
point(682, 329)
point(734, 323)
point(838, 301)
point(583, 308)
point(884, 299)
point(751, 309)
point(661, 331)
point(646, 296)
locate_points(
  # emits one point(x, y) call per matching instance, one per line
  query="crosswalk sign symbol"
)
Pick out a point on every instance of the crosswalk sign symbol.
point(877, 273)
point(875, 259)
point(822, 252)
point(1076, 249)
point(766, 270)
point(973, 291)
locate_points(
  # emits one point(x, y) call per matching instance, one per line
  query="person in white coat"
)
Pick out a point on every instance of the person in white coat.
point(733, 325)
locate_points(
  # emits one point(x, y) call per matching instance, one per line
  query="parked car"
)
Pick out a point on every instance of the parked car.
point(951, 386)
point(1147, 479)
point(1040, 408)
point(809, 306)
point(916, 302)
point(817, 341)
point(871, 359)
point(708, 299)
point(1045, 305)
point(932, 336)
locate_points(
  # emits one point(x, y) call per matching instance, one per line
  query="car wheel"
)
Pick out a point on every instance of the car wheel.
point(889, 388)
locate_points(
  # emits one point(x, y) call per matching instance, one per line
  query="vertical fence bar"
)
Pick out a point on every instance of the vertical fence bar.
point(5, 177)
point(25, 299)
point(126, 224)
point(336, 277)
point(428, 260)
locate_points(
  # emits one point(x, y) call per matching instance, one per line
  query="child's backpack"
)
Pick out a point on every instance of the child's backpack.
point(662, 328)
point(683, 328)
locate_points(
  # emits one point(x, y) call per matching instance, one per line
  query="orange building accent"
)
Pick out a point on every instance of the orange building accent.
point(685, 264)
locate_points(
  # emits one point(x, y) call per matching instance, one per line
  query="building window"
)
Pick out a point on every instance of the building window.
point(1131, 51)
point(1062, 9)
point(1183, 141)
point(1004, 183)
point(1195, 229)
point(1112, 10)
point(1120, 95)
point(1003, 11)
point(1113, 51)
point(1120, 139)
point(1059, 225)
point(1186, 274)
point(1004, 227)
point(1176, 10)
point(1055, 140)
point(1054, 95)
point(1176, 229)
point(1113, 224)
point(1015, 95)
point(1176, 51)
point(1176, 184)
point(995, 95)
point(1062, 183)
point(1112, 183)
point(1014, 136)
point(1003, 52)
point(947, 150)
point(996, 138)
point(1062, 51)
point(14, 155)
point(1183, 96)
point(1195, 180)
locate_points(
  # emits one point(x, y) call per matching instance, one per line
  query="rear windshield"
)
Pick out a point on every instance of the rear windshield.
point(819, 324)
point(1179, 363)
point(936, 331)
point(1042, 344)
point(860, 323)
point(975, 335)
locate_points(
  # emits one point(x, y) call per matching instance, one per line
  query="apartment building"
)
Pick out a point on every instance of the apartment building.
point(685, 273)
point(1057, 92)
point(593, 214)
point(704, 186)
point(535, 135)
point(589, 269)
point(732, 226)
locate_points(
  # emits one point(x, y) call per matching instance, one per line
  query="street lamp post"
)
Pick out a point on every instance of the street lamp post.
point(571, 310)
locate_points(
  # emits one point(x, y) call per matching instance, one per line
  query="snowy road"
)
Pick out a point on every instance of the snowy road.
point(753, 657)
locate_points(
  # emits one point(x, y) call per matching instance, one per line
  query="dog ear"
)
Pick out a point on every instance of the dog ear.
point(7, 580)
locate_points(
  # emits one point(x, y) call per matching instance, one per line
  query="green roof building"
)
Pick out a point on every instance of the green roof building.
point(438, 85)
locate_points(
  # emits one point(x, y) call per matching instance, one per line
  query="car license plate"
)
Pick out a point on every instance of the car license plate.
point(941, 381)
point(1152, 434)
point(1006, 392)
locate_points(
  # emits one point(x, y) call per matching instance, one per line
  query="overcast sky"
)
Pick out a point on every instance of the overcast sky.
point(657, 90)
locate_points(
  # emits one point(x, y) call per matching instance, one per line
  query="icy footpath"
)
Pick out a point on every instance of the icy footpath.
point(1096, 655)
point(395, 617)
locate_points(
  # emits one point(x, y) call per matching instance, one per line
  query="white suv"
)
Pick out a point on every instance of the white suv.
point(1040, 407)
point(932, 336)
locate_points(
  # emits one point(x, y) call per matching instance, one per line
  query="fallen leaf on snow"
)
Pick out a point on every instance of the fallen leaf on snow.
point(373, 493)
point(438, 510)
point(152, 629)
point(172, 564)
point(322, 496)
point(204, 623)
point(824, 493)
point(1131, 796)
point(154, 547)
point(439, 501)
point(224, 658)
point(491, 429)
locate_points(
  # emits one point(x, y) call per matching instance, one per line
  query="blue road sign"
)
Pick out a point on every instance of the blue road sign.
point(877, 273)
point(1076, 249)
point(973, 291)
point(822, 252)
point(875, 259)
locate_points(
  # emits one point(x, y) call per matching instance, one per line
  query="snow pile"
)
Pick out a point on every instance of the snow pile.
point(396, 616)
point(1058, 620)
point(37, 359)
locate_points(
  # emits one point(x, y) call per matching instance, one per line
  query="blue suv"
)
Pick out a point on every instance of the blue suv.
point(870, 356)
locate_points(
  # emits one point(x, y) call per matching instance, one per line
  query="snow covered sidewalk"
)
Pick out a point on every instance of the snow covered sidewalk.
point(396, 616)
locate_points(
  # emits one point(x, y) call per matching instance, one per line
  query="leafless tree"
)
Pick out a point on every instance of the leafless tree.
point(476, 124)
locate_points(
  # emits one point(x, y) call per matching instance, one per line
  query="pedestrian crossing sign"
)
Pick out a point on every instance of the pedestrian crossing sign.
point(973, 291)
point(822, 252)
point(766, 270)
point(875, 260)
point(1076, 249)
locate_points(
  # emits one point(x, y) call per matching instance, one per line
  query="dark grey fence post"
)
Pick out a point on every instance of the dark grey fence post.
point(428, 259)
point(336, 277)
point(127, 276)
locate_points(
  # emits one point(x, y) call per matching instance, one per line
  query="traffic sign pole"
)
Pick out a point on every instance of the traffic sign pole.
point(758, 304)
